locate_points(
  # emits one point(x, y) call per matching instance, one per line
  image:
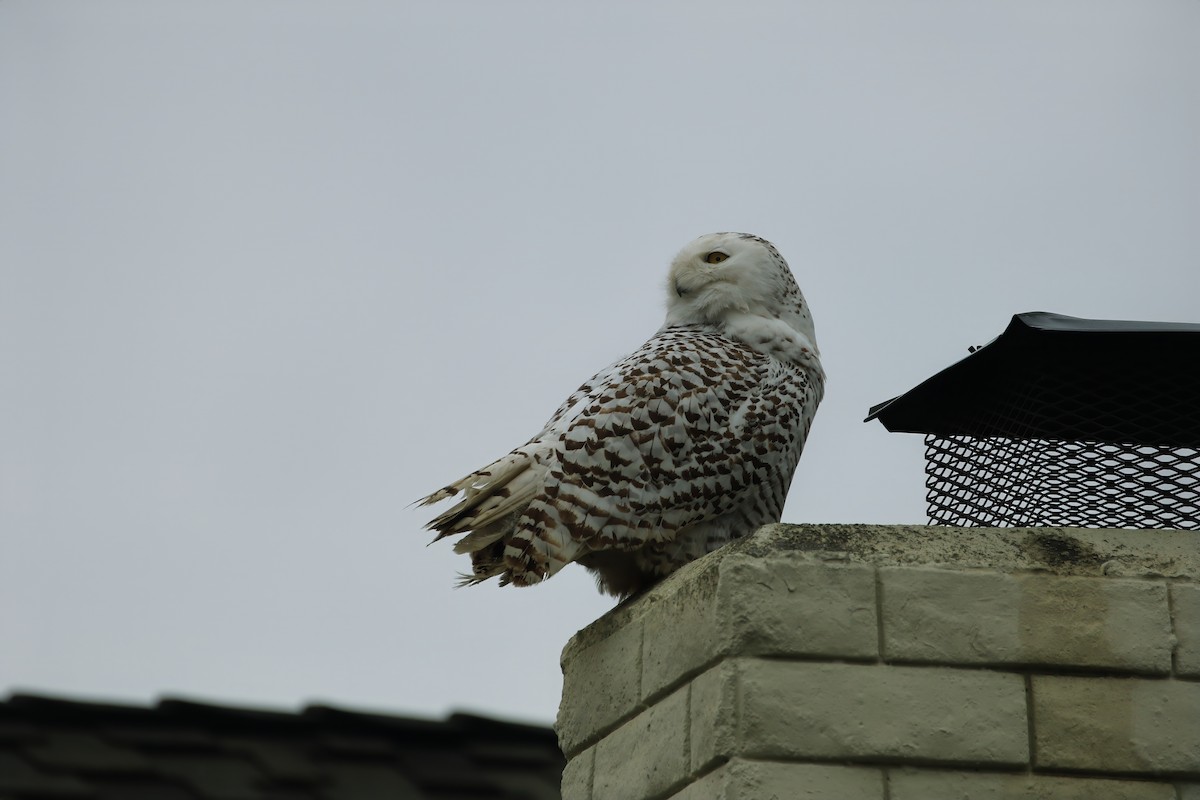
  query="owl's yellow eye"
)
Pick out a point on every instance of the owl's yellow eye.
point(715, 257)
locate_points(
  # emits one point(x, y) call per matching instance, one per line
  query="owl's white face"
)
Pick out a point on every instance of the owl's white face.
point(723, 274)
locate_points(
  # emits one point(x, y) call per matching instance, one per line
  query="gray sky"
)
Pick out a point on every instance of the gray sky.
point(270, 271)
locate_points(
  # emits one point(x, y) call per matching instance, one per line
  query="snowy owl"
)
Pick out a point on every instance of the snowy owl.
point(669, 453)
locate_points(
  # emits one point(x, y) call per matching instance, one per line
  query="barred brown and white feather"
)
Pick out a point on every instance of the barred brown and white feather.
point(687, 443)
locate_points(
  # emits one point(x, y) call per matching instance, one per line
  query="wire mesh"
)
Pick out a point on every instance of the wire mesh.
point(1020, 482)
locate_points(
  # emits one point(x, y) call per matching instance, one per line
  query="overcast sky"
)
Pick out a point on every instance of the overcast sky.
point(269, 271)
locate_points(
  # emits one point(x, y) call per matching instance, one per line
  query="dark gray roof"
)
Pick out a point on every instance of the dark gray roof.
point(1050, 376)
point(182, 750)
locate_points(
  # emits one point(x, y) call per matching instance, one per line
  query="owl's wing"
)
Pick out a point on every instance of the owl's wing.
point(686, 429)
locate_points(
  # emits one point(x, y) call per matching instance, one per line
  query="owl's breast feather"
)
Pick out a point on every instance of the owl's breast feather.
point(775, 338)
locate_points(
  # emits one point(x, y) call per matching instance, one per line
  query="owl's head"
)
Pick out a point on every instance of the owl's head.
point(725, 274)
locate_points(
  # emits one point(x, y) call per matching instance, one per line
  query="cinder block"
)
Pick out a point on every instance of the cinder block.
point(814, 710)
point(765, 780)
point(759, 606)
point(783, 606)
point(647, 755)
point(1185, 611)
point(1117, 724)
point(981, 617)
point(916, 784)
point(713, 712)
point(601, 686)
point(577, 776)
point(683, 632)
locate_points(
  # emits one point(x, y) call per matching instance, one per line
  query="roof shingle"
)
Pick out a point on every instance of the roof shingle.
point(183, 750)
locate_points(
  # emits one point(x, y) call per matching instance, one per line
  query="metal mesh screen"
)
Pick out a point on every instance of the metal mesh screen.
point(1001, 481)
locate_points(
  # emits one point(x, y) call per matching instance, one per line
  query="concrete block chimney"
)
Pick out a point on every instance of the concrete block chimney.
point(897, 663)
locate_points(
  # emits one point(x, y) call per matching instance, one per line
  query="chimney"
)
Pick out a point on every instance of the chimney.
point(897, 663)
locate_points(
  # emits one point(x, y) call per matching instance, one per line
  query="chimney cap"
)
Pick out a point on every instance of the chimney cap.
point(1051, 376)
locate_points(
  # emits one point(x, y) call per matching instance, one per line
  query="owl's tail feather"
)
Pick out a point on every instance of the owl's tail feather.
point(492, 499)
point(546, 538)
point(486, 562)
point(485, 535)
point(492, 476)
point(511, 532)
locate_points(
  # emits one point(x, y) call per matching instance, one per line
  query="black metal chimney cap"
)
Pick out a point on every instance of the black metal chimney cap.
point(1050, 376)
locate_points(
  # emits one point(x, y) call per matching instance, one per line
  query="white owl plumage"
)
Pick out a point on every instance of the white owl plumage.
point(684, 445)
